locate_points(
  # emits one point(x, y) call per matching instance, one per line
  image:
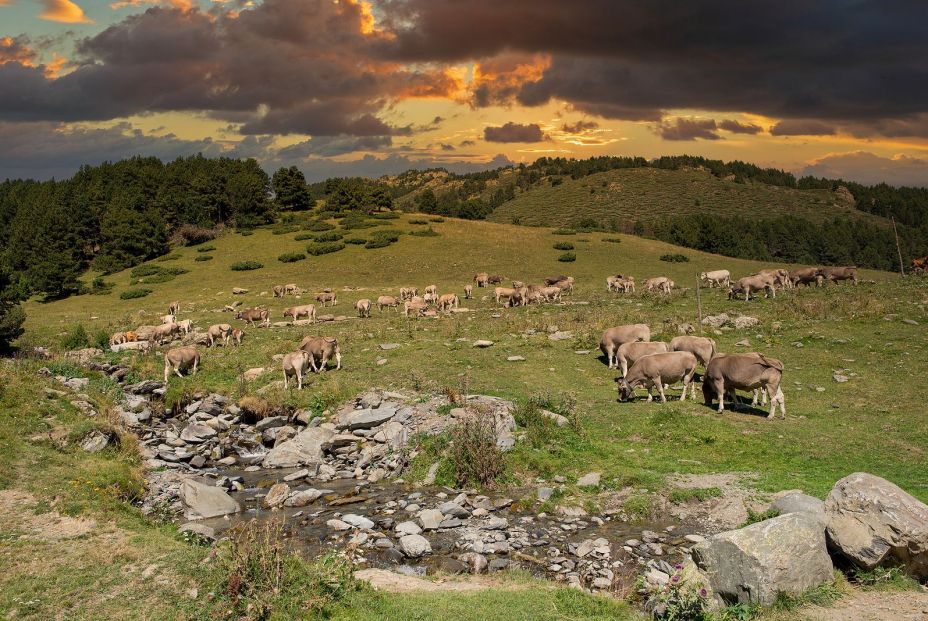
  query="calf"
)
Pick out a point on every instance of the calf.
point(185, 326)
point(180, 359)
point(326, 297)
point(658, 370)
point(255, 315)
point(729, 372)
point(613, 338)
point(309, 310)
point(720, 278)
point(660, 283)
point(295, 363)
point(480, 279)
point(468, 292)
point(237, 336)
point(700, 346)
point(408, 293)
point(174, 308)
point(363, 307)
point(834, 274)
point(321, 349)
point(218, 331)
point(386, 301)
point(631, 352)
point(447, 302)
point(806, 276)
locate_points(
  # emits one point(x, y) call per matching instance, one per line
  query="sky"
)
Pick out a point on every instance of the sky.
point(835, 88)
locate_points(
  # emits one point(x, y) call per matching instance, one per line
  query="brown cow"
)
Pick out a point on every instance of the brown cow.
point(495, 279)
point(218, 331)
point(174, 308)
point(700, 346)
point(408, 293)
point(237, 336)
point(613, 338)
point(448, 301)
point(553, 280)
point(834, 274)
point(920, 265)
point(659, 283)
point(327, 296)
point(659, 370)
point(481, 278)
point(298, 311)
point(131, 336)
point(780, 277)
point(180, 359)
point(295, 363)
point(278, 291)
point(468, 292)
point(363, 307)
point(755, 282)
point(416, 306)
point(321, 349)
point(631, 352)
point(806, 276)
point(255, 315)
point(728, 372)
point(387, 301)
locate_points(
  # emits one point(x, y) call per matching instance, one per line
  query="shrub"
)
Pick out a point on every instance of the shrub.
point(98, 286)
point(418, 221)
point(563, 232)
point(304, 236)
point(588, 223)
point(174, 271)
point(612, 240)
point(283, 229)
point(101, 340)
point(675, 258)
point(318, 248)
point(131, 294)
point(329, 236)
point(157, 278)
point(206, 248)
point(245, 232)
point(76, 338)
point(358, 241)
point(437, 219)
point(357, 221)
point(204, 257)
point(563, 246)
point(755, 517)
point(191, 234)
point(429, 232)
point(474, 454)
point(386, 215)
point(244, 266)
point(146, 269)
point(318, 226)
point(382, 239)
point(567, 257)
point(291, 257)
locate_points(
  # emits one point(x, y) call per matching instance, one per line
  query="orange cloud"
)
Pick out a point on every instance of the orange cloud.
point(65, 12)
point(497, 80)
point(15, 51)
point(184, 5)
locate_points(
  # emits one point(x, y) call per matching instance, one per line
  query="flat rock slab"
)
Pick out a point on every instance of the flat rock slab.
point(388, 347)
point(392, 582)
point(483, 343)
point(303, 449)
point(129, 346)
point(368, 419)
point(206, 501)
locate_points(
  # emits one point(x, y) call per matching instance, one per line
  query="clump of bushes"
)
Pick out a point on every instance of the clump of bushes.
point(319, 248)
point(356, 220)
point(436, 219)
point(612, 240)
point(329, 236)
point(76, 338)
point(418, 221)
point(304, 236)
point(476, 458)
point(675, 258)
point(358, 241)
point(588, 224)
point(151, 274)
point(146, 269)
point(382, 239)
point(191, 234)
point(429, 232)
point(98, 286)
point(386, 215)
point(283, 229)
point(563, 246)
point(563, 232)
point(318, 226)
point(137, 292)
point(206, 248)
point(567, 257)
point(291, 257)
point(244, 266)
point(203, 257)
point(246, 232)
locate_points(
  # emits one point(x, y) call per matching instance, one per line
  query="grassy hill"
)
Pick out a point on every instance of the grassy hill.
point(618, 198)
point(873, 422)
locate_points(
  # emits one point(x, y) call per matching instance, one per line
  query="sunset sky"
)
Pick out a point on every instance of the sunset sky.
point(356, 87)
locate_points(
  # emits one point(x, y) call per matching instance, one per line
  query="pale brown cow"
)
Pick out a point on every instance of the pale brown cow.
point(700, 346)
point(755, 282)
point(807, 276)
point(659, 283)
point(629, 353)
point(551, 294)
point(255, 315)
point(468, 292)
point(408, 293)
point(326, 297)
point(174, 308)
point(447, 302)
point(165, 331)
point(659, 370)
point(385, 301)
point(180, 359)
point(835, 274)
point(309, 310)
point(416, 306)
point(433, 289)
point(218, 331)
point(321, 349)
point(480, 279)
point(118, 338)
point(278, 291)
point(237, 335)
point(613, 338)
point(363, 307)
point(729, 372)
point(295, 363)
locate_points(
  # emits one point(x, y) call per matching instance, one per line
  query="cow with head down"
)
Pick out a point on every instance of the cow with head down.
point(327, 298)
point(304, 310)
point(218, 332)
point(481, 279)
point(468, 292)
point(363, 307)
point(254, 316)
point(727, 373)
point(630, 353)
point(321, 349)
point(806, 276)
point(613, 338)
point(387, 301)
point(295, 364)
point(754, 283)
point(661, 284)
point(836, 274)
point(659, 370)
point(180, 359)
point(447, 302)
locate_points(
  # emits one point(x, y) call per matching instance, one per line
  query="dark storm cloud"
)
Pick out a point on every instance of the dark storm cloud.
point(737, 127)
point(514, 132)
point(579, 127)
point(329, 146)
point(868, 168)
point(802, 127)
point(688, 129)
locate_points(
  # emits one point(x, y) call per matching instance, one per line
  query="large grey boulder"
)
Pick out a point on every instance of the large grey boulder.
point(367, 419)
point(303, 449)
point(871, 522)
point(414, 546)
point(206, 501)
point(752, 565)
point(797, 502)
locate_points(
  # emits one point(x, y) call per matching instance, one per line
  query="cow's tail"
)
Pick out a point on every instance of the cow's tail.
point(714, 350)
point(772, 362)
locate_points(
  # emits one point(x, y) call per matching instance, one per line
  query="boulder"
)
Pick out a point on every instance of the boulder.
point(206, 501)
point(871, 522)
point(590, 479)
point(303, 497)
point(797, 502)
point(430, 518)
point(304, 449)
point(753, 565)
point(414, 546)
point(367, 419)
point(197, 432)
point(276, 496)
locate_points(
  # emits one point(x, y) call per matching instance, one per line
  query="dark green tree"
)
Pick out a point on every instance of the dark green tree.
point(11, 313)
point(289, 186)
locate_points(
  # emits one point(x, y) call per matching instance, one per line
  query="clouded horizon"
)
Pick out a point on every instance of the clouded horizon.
point(351, 87)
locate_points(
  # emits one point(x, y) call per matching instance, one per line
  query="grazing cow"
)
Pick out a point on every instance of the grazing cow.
point(618, 283)
point(408, 293)
point(237, 336)
point(321, 349)
point(416, 306)
point(255, 315)
point(834, 274)
point(481, 279)
point(118, 338)
point(755, 282)
point(168, 319)
point(660, 283)
point(532, 296)
point(517, 284)
point(387, 301)
point(495, 279)
point(218, 331)
point(508, 297)
point(430, 298)
point(553, 280)
point(309, 310)
point(720, 278)
point(631, 352)
point(180, 359)
point(363, 307)
point(780, 277)
point(550, 294)
point(433, 289)
point(468, 292)
point(278, 291)
point(185, 326)
point(613, 282)
point(448, 301)
point(295, 363)
point(174, 308)
point(659, 370)
point(326, 297)
point(729, 372)
point(566, 285)
point(700, 346)
point(613, 338)
point(165, 331)
point(291, 289)
point(807, 276)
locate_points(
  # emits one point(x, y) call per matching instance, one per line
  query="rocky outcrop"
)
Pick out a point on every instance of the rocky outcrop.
point(753, 565)
point(871, 522)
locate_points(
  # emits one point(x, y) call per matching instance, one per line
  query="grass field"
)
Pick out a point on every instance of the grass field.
point(873, 422)
point(618, 198)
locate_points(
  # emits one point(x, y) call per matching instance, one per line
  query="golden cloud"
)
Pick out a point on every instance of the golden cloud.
point(65, 12)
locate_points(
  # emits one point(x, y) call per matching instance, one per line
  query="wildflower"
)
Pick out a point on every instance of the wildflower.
point(675, 578)
point(703, 593)
point(678, 566)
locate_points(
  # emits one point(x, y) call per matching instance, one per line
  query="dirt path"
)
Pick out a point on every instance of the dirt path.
point(874, 606)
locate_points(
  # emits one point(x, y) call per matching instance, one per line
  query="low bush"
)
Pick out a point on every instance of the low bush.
point(436, 219)
point(191, 234)
point(329, 236)
point(563, 232)
point(319, 248)
point(168, 257)
point(206, 248)
point(382, 239)
point(563, 246)
point(588, 224)
point(612, 240)
point(146, 269)
point(245, 232)
point(418, 221)
point(759, 516)
point(304, 236)
point(386, 215)
point(567, 257)
point(204, 257)
point(318, 226)
point(291, 257)
point(283, 229)
point(429, 232)
point(76, 338)
point(131, 294)
point(675, 258)
point(98, 286)
point(358, 241)
point(476, 458)
point(244, 266)
point(355, 221)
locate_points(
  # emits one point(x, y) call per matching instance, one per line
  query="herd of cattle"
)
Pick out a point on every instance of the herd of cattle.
point(643, 363)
